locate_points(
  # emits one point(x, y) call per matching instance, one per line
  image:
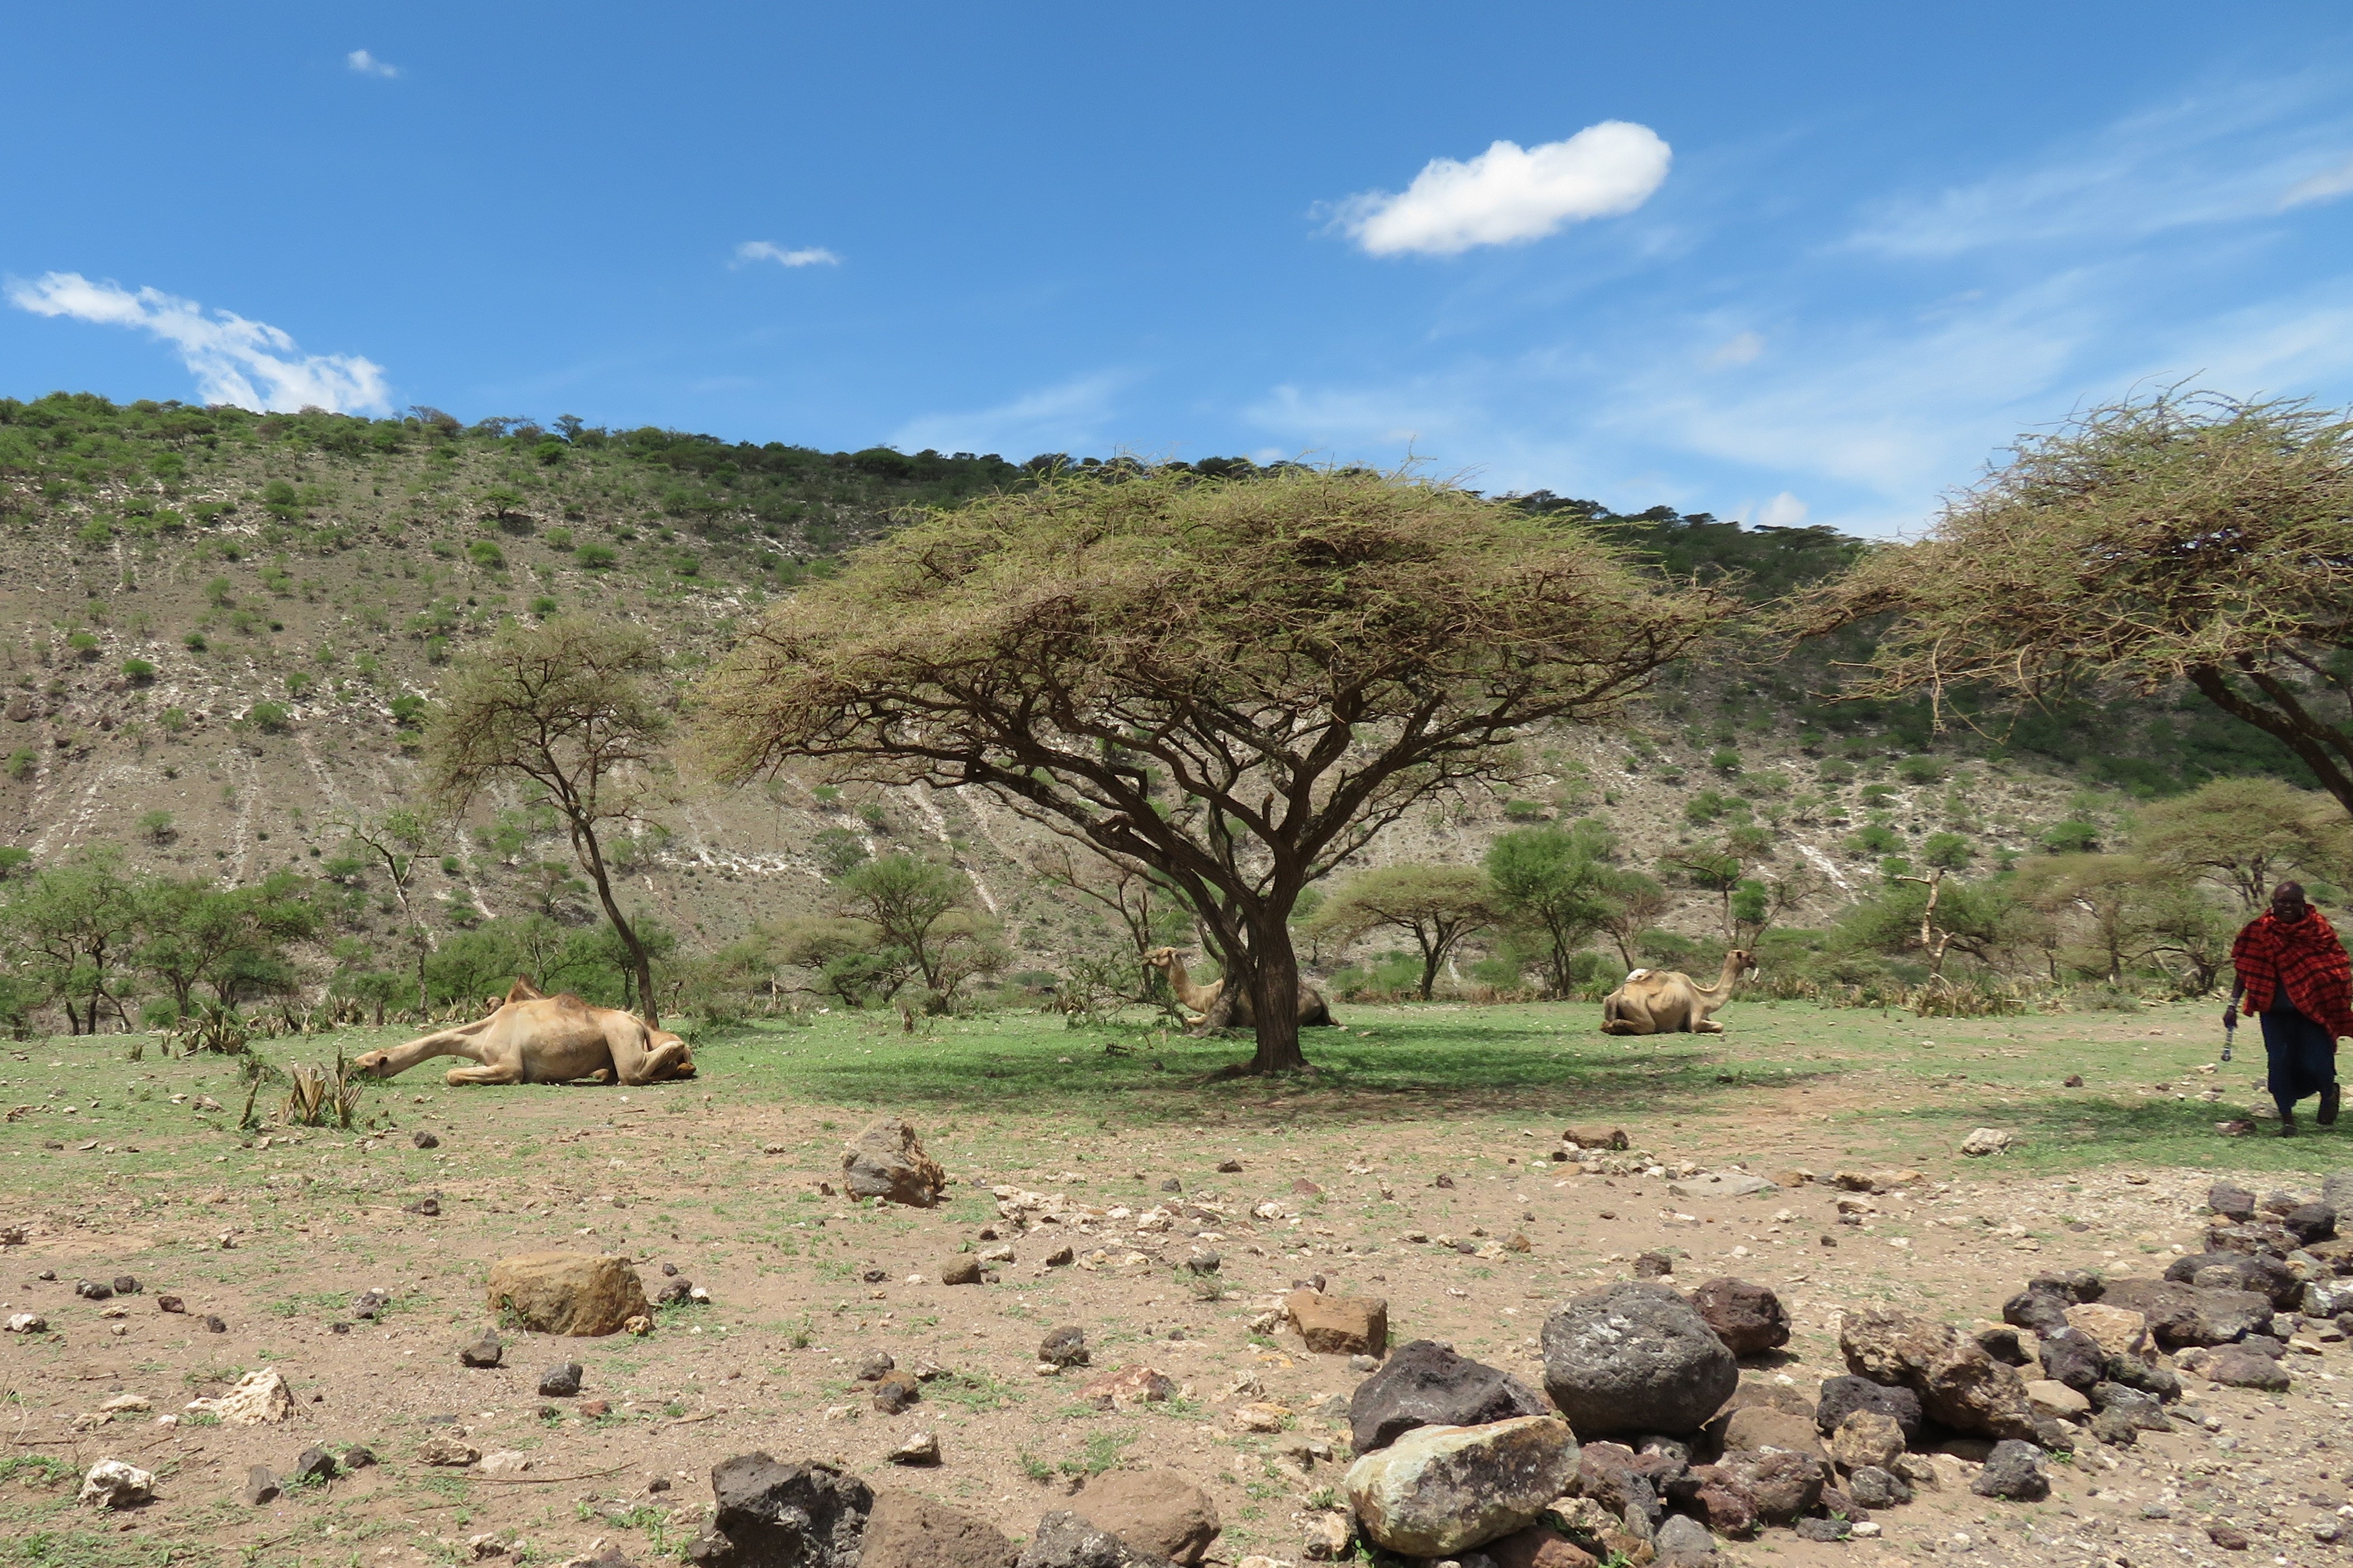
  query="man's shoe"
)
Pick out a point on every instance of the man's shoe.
point(2329, 1098)
point(2287, 1126)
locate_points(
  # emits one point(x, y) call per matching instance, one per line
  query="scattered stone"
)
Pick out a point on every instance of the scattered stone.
point(1635, 1358)
point(168, 1303)
point(430, 1207)
point(895, 1393)
point(1653, 1266)
point(1958, 1385)
point(424, 1141)
point(1064, 1539)
point(2229, 1538)
point(1157, 1512)
point(112, 1484)
point(25, 1323)
point(2117, 1331)
point(1130, 1386)
point(1229, 1167)
point(1538, 1546)
point(560, 1382)
point(874, 1365)
point(1873, 1487)
point(357, 1457)
point(2055, 1399)
point(887, 1162)
point(1611, 1138)
point(2180, 1315)
point(921, 1448)
point(1339, 1325)
point(909, 1531)
point(674, 1292)
point(261, 1487)
point(1060, 1258)
point(2234, 1366)
point(1984, 1140)
point(1066, 1346)
point(567, 1292)
point(441, 1448)
point(258, 1399)
point(312, 1465)
point(369, 1305)
point(216, 1325)
point(2267, 1277)
point(1203, 1263)
point(1425, 1384)
point(126, 1284)
point(2014, 1470)
point(91, 1290)
point(2037, 1312)
point(1437, 1491)
point(962, 1270)
point(1330, 1537)
point(804, 1515)
point(1258, 1415)
point(483, 1350)
point(1867, 1439)
point(1749, 1317)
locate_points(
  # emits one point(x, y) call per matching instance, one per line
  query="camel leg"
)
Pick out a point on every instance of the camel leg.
point(667, 1061)
point(489, 1072)
point(1707, 1026)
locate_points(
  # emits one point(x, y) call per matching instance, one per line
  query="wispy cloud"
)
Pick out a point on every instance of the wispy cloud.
point(251, 363)
point(1511, 194)
point(367, 64)
point(752, 250)
point(1069, 416)
point(2325, 186)
point(1741, 348)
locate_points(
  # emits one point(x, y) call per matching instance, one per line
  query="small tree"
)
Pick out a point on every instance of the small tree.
point(1719, 869)
point(400, 842)
point(564, 707)
point(1437, 906)
point(919, 909)
point(1554, 883)
point(73, 928)
point(1631, 903)
point(2244, 833)
point(1236, 683)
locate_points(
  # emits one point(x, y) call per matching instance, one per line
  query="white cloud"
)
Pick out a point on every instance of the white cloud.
point(251, 363)
point(367, 64)
point(1784, 511)
point(1068, 416)
point(2325, 186)
point(761, 251)
point(1741, 348)
point(1509, 192)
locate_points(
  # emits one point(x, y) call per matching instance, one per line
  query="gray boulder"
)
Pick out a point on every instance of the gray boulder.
point(1066, 1541)
point(2183, 1315)
point(1425, 1384)
point(2073, 1357)
point(1635, 1358)
point(1844, 1394)
point(2267, 1277)
point(887, 1162)
point(804, 1515)
point(2014, 1470)
point(2235, 1204)
point(1683, 1542)
point(1875, 1488)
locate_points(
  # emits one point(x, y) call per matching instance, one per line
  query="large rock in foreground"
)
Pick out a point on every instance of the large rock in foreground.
point(567, 1292)
point(886, 1162)
point(1959, 1384)
point(907, 1529)
point(807, 1515)
point(2183, 1315)
point(1442, 1489)
point(1154, 1511)
point(1066, 1541)
point(1635, 1358)
point(1425, 1384)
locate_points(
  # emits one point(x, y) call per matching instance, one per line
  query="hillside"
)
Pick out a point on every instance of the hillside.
point(224, 626)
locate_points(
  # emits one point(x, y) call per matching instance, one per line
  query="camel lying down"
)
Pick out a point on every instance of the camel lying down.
point(536, 1038)
point(1669, 1002)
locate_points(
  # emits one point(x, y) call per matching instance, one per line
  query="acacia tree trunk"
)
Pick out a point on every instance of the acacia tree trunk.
point(1274, 997)
point(592, 859)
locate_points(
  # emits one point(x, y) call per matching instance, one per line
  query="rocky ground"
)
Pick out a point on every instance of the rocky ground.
point(348, 1273)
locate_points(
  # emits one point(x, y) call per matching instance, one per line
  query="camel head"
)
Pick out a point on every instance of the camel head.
point(371, 1065)
point(1162, 959)
point(1741, 962)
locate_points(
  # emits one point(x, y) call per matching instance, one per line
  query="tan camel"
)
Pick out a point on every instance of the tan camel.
point(536, 1038)
point(1669, 1002)
point(1313, 1006)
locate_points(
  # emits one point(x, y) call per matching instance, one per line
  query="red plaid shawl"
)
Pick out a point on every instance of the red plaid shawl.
point(2305, 957)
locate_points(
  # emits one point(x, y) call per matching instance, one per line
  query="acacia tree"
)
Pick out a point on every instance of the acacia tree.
point(2183, 537)
point(564, 707)
point(2244, 833)
point(1437, 906)
point(1553, 881)
point(1235, 683)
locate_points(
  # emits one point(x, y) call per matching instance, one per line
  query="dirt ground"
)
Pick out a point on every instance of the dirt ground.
point(116, 1167)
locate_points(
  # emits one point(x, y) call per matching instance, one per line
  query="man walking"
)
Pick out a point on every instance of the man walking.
point(2293, 973)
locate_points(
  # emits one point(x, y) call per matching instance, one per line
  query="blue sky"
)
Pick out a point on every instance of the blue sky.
point(1798, 262)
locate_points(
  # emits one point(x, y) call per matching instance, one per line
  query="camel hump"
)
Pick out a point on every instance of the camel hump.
point(1639, 974)
point(523, 990)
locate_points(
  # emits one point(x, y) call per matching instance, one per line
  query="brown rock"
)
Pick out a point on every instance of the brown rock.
point(1538, 1547)
point(962, 1270)
point(1761, 1427)
point(909, 1531)
point(567, 1292)
point(1782, 1485)
point(1747, 1317)
point(2116, 1330)
point(2180, 1314)
point(1597, 1137)
point(1866, 1437)
point(1339, 1325)
point(896, 1392)
point(1717, 1500)
point(1959, 1384)
point(887, 1162)
point(1158, 1513)
point(2234, 1366)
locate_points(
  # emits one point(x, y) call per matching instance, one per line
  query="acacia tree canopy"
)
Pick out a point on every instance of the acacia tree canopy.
point(1238, 684)
point(2176, 538)
point(1437, 906)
